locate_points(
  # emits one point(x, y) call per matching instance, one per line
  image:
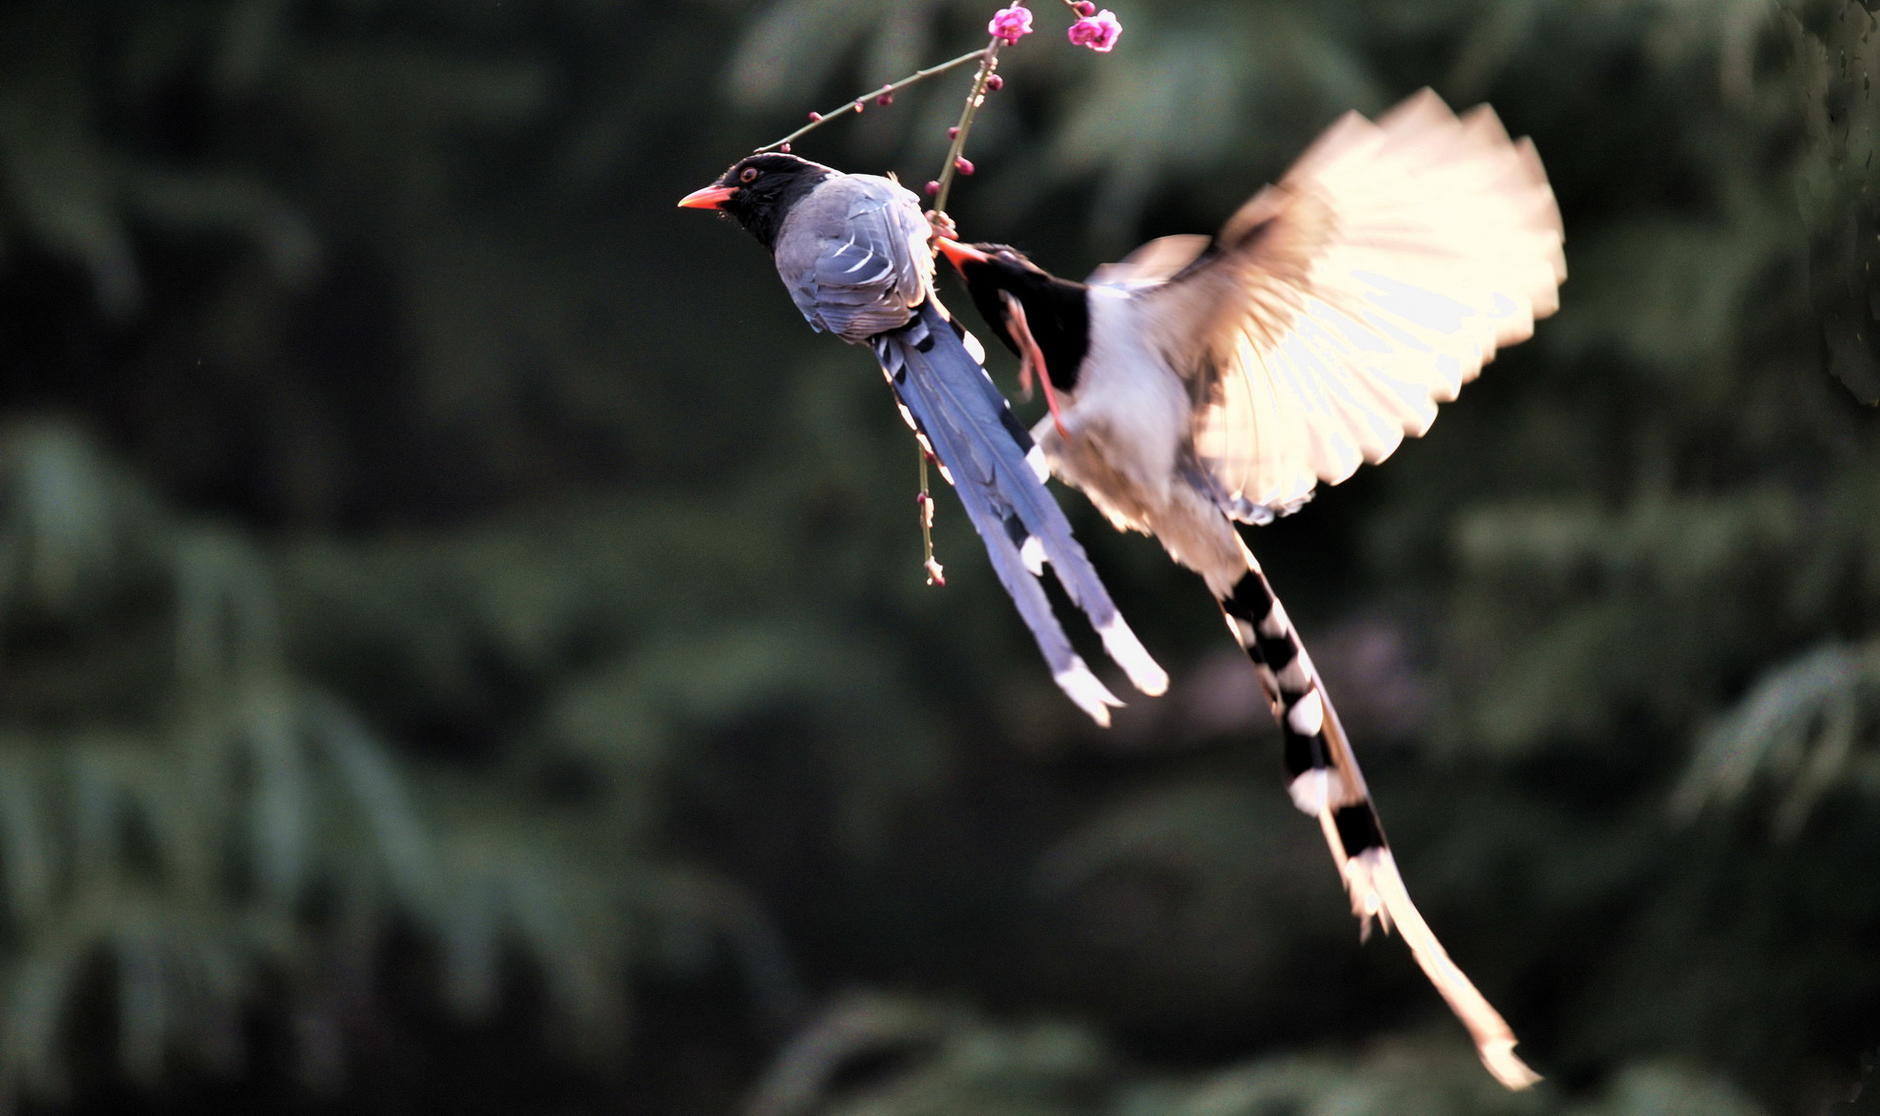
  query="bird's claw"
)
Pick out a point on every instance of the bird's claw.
point(941, 225)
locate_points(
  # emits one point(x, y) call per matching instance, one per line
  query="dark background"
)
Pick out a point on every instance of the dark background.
point(463, 644)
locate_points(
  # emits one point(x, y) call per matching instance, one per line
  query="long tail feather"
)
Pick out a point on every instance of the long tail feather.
point(1327, 784)
point(937, 372)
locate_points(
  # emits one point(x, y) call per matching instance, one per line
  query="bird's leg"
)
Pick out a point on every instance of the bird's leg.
point(1031, 358)
point(1020, 333)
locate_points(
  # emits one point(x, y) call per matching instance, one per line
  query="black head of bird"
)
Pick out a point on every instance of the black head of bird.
point(758, 190)
point(1056, 311)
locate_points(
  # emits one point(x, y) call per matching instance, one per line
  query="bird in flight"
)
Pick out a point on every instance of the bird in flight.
point(1207, 380)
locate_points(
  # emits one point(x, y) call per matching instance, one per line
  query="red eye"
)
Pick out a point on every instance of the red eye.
point(748, 174)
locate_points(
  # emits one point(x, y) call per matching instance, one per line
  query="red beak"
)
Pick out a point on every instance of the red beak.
point(711, 197)
point(959, 254)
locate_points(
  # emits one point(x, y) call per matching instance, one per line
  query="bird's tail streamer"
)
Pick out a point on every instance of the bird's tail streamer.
point(937, 371)
point(1326, 784)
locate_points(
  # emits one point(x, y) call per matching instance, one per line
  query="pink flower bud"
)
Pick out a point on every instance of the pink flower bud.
point(964, 164)
point(952, 130)
point(885, 97)
point(1098, 32)
point(1010, 24)
point(1084, 8)
point(857, 106)
point(932, 187)
point(784, 147)
point(994, 83)
point(814, 117)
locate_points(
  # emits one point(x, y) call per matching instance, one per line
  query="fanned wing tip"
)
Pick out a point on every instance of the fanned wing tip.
point(1422, 111)
point(1153, 262)
point(1144, 672)
point(1387, 267)
point(1349, 132)
point(1546, 220)
point(1087, 691)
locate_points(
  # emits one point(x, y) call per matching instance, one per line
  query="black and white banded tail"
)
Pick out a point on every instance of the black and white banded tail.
point(937, 371)
point(1326, 784)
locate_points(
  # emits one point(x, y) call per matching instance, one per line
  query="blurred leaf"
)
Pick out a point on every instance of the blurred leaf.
point(365, 774)
point(26, 856)
point(1808, 726)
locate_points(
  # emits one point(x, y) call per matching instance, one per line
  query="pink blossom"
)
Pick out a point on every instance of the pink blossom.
point(1098, 32)
point(1010, 24)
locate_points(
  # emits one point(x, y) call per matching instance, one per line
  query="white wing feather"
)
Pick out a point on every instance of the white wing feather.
point(1340, 306)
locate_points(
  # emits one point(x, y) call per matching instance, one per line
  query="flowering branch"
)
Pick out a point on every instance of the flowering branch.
point(882, 96)
point(955, 160)
point(1093, 29)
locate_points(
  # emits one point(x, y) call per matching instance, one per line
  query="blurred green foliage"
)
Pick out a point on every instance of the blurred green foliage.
point(462, 641)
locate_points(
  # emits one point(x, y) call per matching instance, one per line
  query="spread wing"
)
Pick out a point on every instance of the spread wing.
point(1337, 308)
point(1155, 262)
point(854, 256)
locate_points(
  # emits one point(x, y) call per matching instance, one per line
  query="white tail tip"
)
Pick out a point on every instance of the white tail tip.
point(1144, 673)
point(1505, 1065)
point(1494, 1041)
point(1087, 691)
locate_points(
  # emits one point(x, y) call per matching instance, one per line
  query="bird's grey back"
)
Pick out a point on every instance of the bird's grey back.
point(854, 256)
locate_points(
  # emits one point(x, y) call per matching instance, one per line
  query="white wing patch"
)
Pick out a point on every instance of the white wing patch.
point(1342, 305)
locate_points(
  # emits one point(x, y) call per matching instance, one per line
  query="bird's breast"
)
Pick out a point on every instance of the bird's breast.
point(1129, 397)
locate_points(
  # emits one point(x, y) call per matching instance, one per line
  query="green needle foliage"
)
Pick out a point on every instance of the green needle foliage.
point(463, 644)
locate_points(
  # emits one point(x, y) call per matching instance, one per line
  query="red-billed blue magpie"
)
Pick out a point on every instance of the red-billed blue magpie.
point(853, 251)
point(1207, 380)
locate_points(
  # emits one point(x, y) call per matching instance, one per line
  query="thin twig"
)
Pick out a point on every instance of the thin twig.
point(925, 500)
point(988, 63)
point(817, 120)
